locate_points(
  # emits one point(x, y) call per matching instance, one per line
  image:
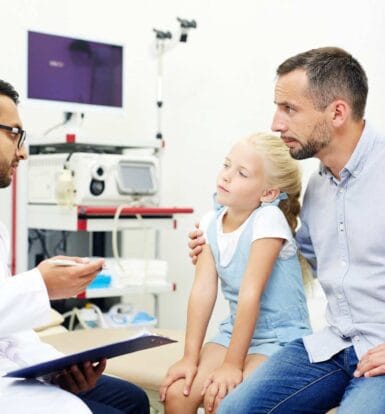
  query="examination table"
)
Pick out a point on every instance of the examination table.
point(144, 368)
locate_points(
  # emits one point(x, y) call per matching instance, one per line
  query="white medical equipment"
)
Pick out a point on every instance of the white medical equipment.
point(82, 178)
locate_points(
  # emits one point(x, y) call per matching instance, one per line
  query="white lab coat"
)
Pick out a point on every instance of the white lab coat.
point(24, 304)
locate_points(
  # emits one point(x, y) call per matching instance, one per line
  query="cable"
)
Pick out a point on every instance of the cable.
point(71, 314)
point(115, 251)
point(41, 235)
point(77, 313)
point(67, 118)
point(31, 241)
point(60, 247)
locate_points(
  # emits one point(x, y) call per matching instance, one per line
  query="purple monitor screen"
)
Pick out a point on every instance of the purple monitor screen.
point(74, 70)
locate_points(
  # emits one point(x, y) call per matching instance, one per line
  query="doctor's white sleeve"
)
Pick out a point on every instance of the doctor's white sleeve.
point(24, 302)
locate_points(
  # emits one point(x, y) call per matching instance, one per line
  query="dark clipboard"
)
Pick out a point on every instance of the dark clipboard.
point(92, 355)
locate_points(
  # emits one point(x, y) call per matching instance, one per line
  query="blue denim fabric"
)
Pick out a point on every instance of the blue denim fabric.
point(283, 314)
point(287, 383)
point(115, 396)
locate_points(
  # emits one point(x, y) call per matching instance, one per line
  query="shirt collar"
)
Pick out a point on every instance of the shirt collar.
point(360, 154)
point(357, 160)
point(322, 170)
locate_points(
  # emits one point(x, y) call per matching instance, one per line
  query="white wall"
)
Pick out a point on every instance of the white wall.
point(218, 87)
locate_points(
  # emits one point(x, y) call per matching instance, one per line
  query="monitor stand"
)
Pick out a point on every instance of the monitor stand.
point(70, 135)
point(70, 131)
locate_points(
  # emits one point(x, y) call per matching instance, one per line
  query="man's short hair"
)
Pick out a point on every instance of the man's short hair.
point(333, 74)
point(8, 90)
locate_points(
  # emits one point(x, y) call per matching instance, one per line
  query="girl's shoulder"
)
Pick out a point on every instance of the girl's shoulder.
point(207, 218)
point(270, 222)
point(270, 214)
point(205, 221)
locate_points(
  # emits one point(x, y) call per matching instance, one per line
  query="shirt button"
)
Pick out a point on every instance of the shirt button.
point(341, 191)
point(357, 338)
point(339, 296)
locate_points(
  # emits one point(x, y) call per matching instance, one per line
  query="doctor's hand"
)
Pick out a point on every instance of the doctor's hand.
point(184, 368)
point(372, 363)
point(220, 382)
point(77, 379)
point(66, 281)
point(196, 243)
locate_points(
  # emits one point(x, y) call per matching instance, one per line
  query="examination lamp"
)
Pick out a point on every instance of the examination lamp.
point(162, 35)
point(185, 25)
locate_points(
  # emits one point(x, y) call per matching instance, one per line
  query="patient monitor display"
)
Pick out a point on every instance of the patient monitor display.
point(71, 70)
point(136, 178)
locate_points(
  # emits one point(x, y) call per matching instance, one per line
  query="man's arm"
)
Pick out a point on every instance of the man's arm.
point(24, 298)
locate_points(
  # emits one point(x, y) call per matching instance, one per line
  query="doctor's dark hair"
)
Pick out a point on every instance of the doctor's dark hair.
point(8, 90)
point(281, 172)
point(333, 74)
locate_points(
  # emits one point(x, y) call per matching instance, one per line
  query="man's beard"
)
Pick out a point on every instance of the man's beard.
point(319, 139)
point(5, 178)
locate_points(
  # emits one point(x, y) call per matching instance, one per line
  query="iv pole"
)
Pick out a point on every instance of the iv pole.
point(161, 38)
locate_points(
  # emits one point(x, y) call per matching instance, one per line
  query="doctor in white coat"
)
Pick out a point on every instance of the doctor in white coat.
point(24, 304)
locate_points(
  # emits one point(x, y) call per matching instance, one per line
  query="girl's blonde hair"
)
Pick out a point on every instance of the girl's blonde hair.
point(282, 172)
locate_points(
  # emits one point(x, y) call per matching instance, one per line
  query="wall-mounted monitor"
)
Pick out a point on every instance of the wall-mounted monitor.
point(74, 74)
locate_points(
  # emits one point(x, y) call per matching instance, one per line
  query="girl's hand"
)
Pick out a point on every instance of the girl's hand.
point(185, 368)
point(220, 382)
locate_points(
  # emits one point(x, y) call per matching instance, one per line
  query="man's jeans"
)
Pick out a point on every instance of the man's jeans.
point(287, 383)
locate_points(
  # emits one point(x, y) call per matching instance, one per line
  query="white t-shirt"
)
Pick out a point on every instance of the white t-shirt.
point(269, 222)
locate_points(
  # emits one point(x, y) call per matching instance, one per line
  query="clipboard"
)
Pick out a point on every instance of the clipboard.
point(93, 355)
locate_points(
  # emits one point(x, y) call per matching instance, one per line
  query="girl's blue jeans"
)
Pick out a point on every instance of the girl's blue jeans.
point(287, 383)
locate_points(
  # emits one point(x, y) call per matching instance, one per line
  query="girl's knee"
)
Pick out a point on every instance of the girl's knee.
point(176, 398)
point(174, 393)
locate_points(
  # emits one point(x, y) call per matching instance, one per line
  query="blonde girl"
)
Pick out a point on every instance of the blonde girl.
point(251, 249)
